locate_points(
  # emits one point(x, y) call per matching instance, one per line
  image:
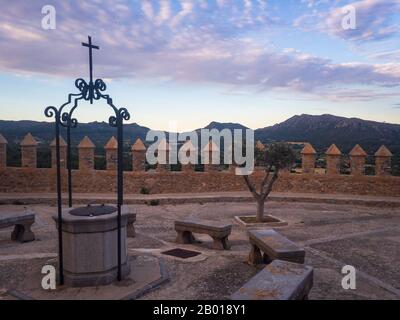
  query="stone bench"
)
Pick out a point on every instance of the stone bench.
point(22, 222)
point(280, 280)
point(130, 227)
point(217, 230)
point(274, 246)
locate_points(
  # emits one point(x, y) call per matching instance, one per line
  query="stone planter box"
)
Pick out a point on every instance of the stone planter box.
point(90, 248)
point(249, 222)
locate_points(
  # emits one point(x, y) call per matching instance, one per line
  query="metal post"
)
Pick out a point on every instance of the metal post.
point(69, 165)
point(120, 189)
point(59, 203)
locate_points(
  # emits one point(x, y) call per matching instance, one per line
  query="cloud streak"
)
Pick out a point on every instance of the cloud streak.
point(374, 19)
point(185, 41)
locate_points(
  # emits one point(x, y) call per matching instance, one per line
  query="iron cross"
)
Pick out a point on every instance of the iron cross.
point(91, 47)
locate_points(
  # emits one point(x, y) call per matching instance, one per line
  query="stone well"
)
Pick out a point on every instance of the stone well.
point(90, 245)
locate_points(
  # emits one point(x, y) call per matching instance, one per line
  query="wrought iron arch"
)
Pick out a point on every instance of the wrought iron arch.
point(92, 91)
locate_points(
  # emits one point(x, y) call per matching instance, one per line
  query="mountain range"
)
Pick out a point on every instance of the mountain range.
point(323, 130)
point(320, 130)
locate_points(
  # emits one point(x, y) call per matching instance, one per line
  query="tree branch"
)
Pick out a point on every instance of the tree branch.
point(267, 191)
point(268, 170)
point(251, 187)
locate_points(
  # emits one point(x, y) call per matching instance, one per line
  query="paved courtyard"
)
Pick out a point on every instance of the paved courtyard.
point(333, 235)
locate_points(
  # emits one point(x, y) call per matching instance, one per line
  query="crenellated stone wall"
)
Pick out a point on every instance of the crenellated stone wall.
point(63, 153)
point(112, 154)
point(3, 152)
point(333, 156)
point(30, 179)
point(86, 154)
point(25, 180)
point(29, 152)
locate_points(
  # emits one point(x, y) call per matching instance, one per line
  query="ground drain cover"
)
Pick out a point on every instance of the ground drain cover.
point(181, 253)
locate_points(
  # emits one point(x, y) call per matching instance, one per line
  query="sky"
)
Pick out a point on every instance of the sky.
point(187, 62)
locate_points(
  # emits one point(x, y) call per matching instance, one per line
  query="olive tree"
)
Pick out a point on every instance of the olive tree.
point(277, 156)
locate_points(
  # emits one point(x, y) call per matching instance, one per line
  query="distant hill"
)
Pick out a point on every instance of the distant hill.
point(99, 132)
point(227, 125)
point(323, 130)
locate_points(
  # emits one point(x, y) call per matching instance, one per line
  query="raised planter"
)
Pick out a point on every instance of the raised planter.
point(268, 222)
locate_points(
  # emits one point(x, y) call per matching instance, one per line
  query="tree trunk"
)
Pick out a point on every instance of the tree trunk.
point(260, 210)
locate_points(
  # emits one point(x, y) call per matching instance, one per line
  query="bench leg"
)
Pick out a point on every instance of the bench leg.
point(130, 230)
point(22, 233)
point(255, 255)
point(185, 237)
point(221, 243)
point(266, 259)
point(225, 243)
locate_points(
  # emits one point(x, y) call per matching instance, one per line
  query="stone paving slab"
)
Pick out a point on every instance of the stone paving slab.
point(376, 254)
point(149, 273)
point(328, 277)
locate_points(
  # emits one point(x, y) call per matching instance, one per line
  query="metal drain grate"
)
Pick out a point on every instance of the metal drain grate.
point(181, 253)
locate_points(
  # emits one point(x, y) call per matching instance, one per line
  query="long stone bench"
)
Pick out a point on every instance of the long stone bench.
point(274, 246)
point(280, 280)
point(22, 222)
point(217, 230)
